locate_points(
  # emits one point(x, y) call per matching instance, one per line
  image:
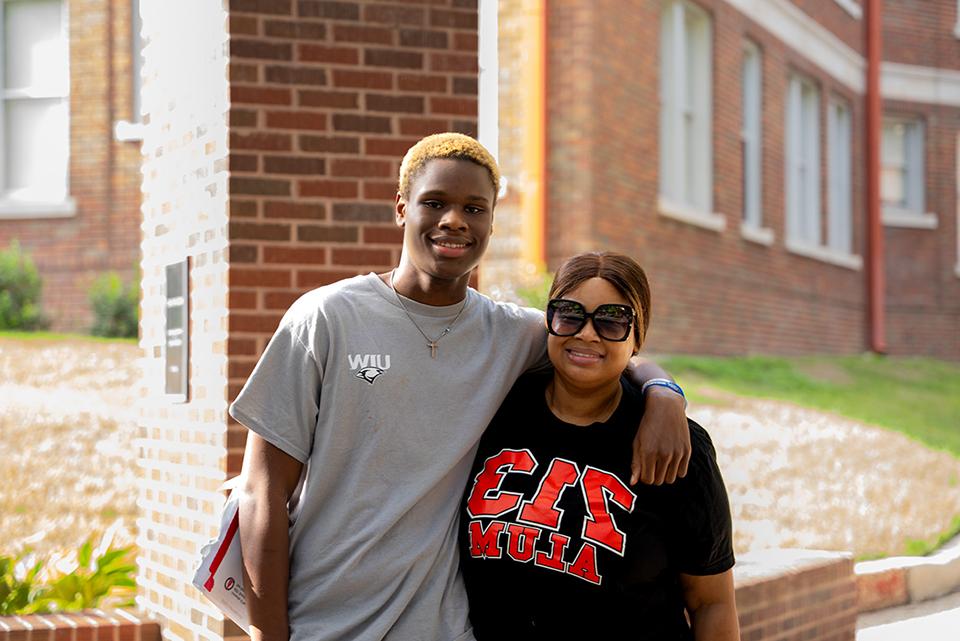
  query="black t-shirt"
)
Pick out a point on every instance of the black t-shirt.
point(556, 544)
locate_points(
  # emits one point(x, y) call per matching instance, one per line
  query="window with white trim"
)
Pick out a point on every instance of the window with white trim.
point(34, 104)
point(803, 162)
point(751, 135)
point(901, 173)
point(839, 192)
point(685, 107)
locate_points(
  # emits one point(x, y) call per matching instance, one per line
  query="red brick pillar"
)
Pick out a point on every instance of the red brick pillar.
point(276, 129)
point(325, 99)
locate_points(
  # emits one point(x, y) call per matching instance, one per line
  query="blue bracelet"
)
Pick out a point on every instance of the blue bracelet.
point(664, 382)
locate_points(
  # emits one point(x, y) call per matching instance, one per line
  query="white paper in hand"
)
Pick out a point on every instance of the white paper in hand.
point(220, 575)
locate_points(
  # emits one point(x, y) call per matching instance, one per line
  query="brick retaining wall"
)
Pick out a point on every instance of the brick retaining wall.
point(787, 595)
point(93, 625)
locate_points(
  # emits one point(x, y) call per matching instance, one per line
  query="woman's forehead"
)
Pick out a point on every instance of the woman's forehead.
point(596, 291)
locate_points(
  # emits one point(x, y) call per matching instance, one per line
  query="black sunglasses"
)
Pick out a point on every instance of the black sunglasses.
point(611, 322)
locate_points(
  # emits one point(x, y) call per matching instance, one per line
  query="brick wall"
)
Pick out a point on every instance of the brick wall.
point(325, 99)
point(95, 625)
point(837, 20)
point(789, 595)
point(921, 33)
point(923, 288)
point(182, 445)
point(104, 174)
point(718, 292)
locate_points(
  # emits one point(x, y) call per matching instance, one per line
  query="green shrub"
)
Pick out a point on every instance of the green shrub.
point(20, 287)
point(20, 592)
point(115, 307)
point(99, 580)
point(106, 577)
point(537, 292)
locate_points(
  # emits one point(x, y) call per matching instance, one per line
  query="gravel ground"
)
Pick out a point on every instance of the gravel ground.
point(796, 477)
point(803, 478)
point(66, 436)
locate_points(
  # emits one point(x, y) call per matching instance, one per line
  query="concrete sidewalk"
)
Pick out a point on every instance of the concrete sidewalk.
point(935, 620)
point(897, 581)
point(924, 593)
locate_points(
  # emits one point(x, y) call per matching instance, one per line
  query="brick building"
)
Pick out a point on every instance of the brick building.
point(70, 164)
point(722, 143)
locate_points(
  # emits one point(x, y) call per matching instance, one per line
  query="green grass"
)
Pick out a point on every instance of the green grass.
point(921, 547)
point(54, 336)
point(919, 397)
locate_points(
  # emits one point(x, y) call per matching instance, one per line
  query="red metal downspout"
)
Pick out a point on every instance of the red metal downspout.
point(875, 268)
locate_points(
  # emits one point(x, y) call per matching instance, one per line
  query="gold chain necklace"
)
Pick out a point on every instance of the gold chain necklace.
point(431, 342)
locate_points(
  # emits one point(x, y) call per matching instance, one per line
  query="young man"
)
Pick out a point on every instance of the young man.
point(365, 411)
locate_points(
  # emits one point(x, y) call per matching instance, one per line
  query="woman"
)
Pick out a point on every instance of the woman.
point(557, 545)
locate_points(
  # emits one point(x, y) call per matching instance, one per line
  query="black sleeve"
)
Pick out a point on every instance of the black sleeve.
point(705, 531)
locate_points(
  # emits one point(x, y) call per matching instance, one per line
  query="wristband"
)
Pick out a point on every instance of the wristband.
point(664, 382)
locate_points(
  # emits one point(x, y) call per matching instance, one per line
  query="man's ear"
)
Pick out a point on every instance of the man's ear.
point(400, 207)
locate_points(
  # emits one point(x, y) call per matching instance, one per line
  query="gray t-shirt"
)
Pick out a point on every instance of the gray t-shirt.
point(387, 434)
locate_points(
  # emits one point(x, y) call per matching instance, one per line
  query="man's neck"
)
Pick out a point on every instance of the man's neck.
point(424, 288)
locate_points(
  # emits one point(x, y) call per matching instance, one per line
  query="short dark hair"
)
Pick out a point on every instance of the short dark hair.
point(619, 270)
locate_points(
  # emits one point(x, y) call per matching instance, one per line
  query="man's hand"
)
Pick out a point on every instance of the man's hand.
point(661, 448)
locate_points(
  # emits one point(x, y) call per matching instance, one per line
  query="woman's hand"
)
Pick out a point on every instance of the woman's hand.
point(661, 448)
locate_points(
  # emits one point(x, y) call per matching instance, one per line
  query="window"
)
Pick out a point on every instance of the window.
point(34, 107)
point(686, 179)
point(901, 174)
point(839, 223)
point(751, 141)
point(803, 162)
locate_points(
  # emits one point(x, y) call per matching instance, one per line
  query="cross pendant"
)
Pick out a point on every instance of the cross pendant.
point(433, 349)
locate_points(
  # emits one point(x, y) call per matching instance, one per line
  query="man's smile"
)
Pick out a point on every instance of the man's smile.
point(450, 247)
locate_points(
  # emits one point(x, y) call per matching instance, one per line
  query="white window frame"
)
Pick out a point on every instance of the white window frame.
point(686, 115)
point(11, 208)
point(839, 176)
point(751, 138)
point(132, 128)
point(804, 206)
point(911, 213)
point(852, 7)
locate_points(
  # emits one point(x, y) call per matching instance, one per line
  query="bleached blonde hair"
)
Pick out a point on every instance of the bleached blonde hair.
point(445, 145)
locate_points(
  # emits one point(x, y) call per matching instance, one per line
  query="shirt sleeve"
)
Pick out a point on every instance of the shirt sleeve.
point(539, 361)
point(705, 531)
point(281, 398)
